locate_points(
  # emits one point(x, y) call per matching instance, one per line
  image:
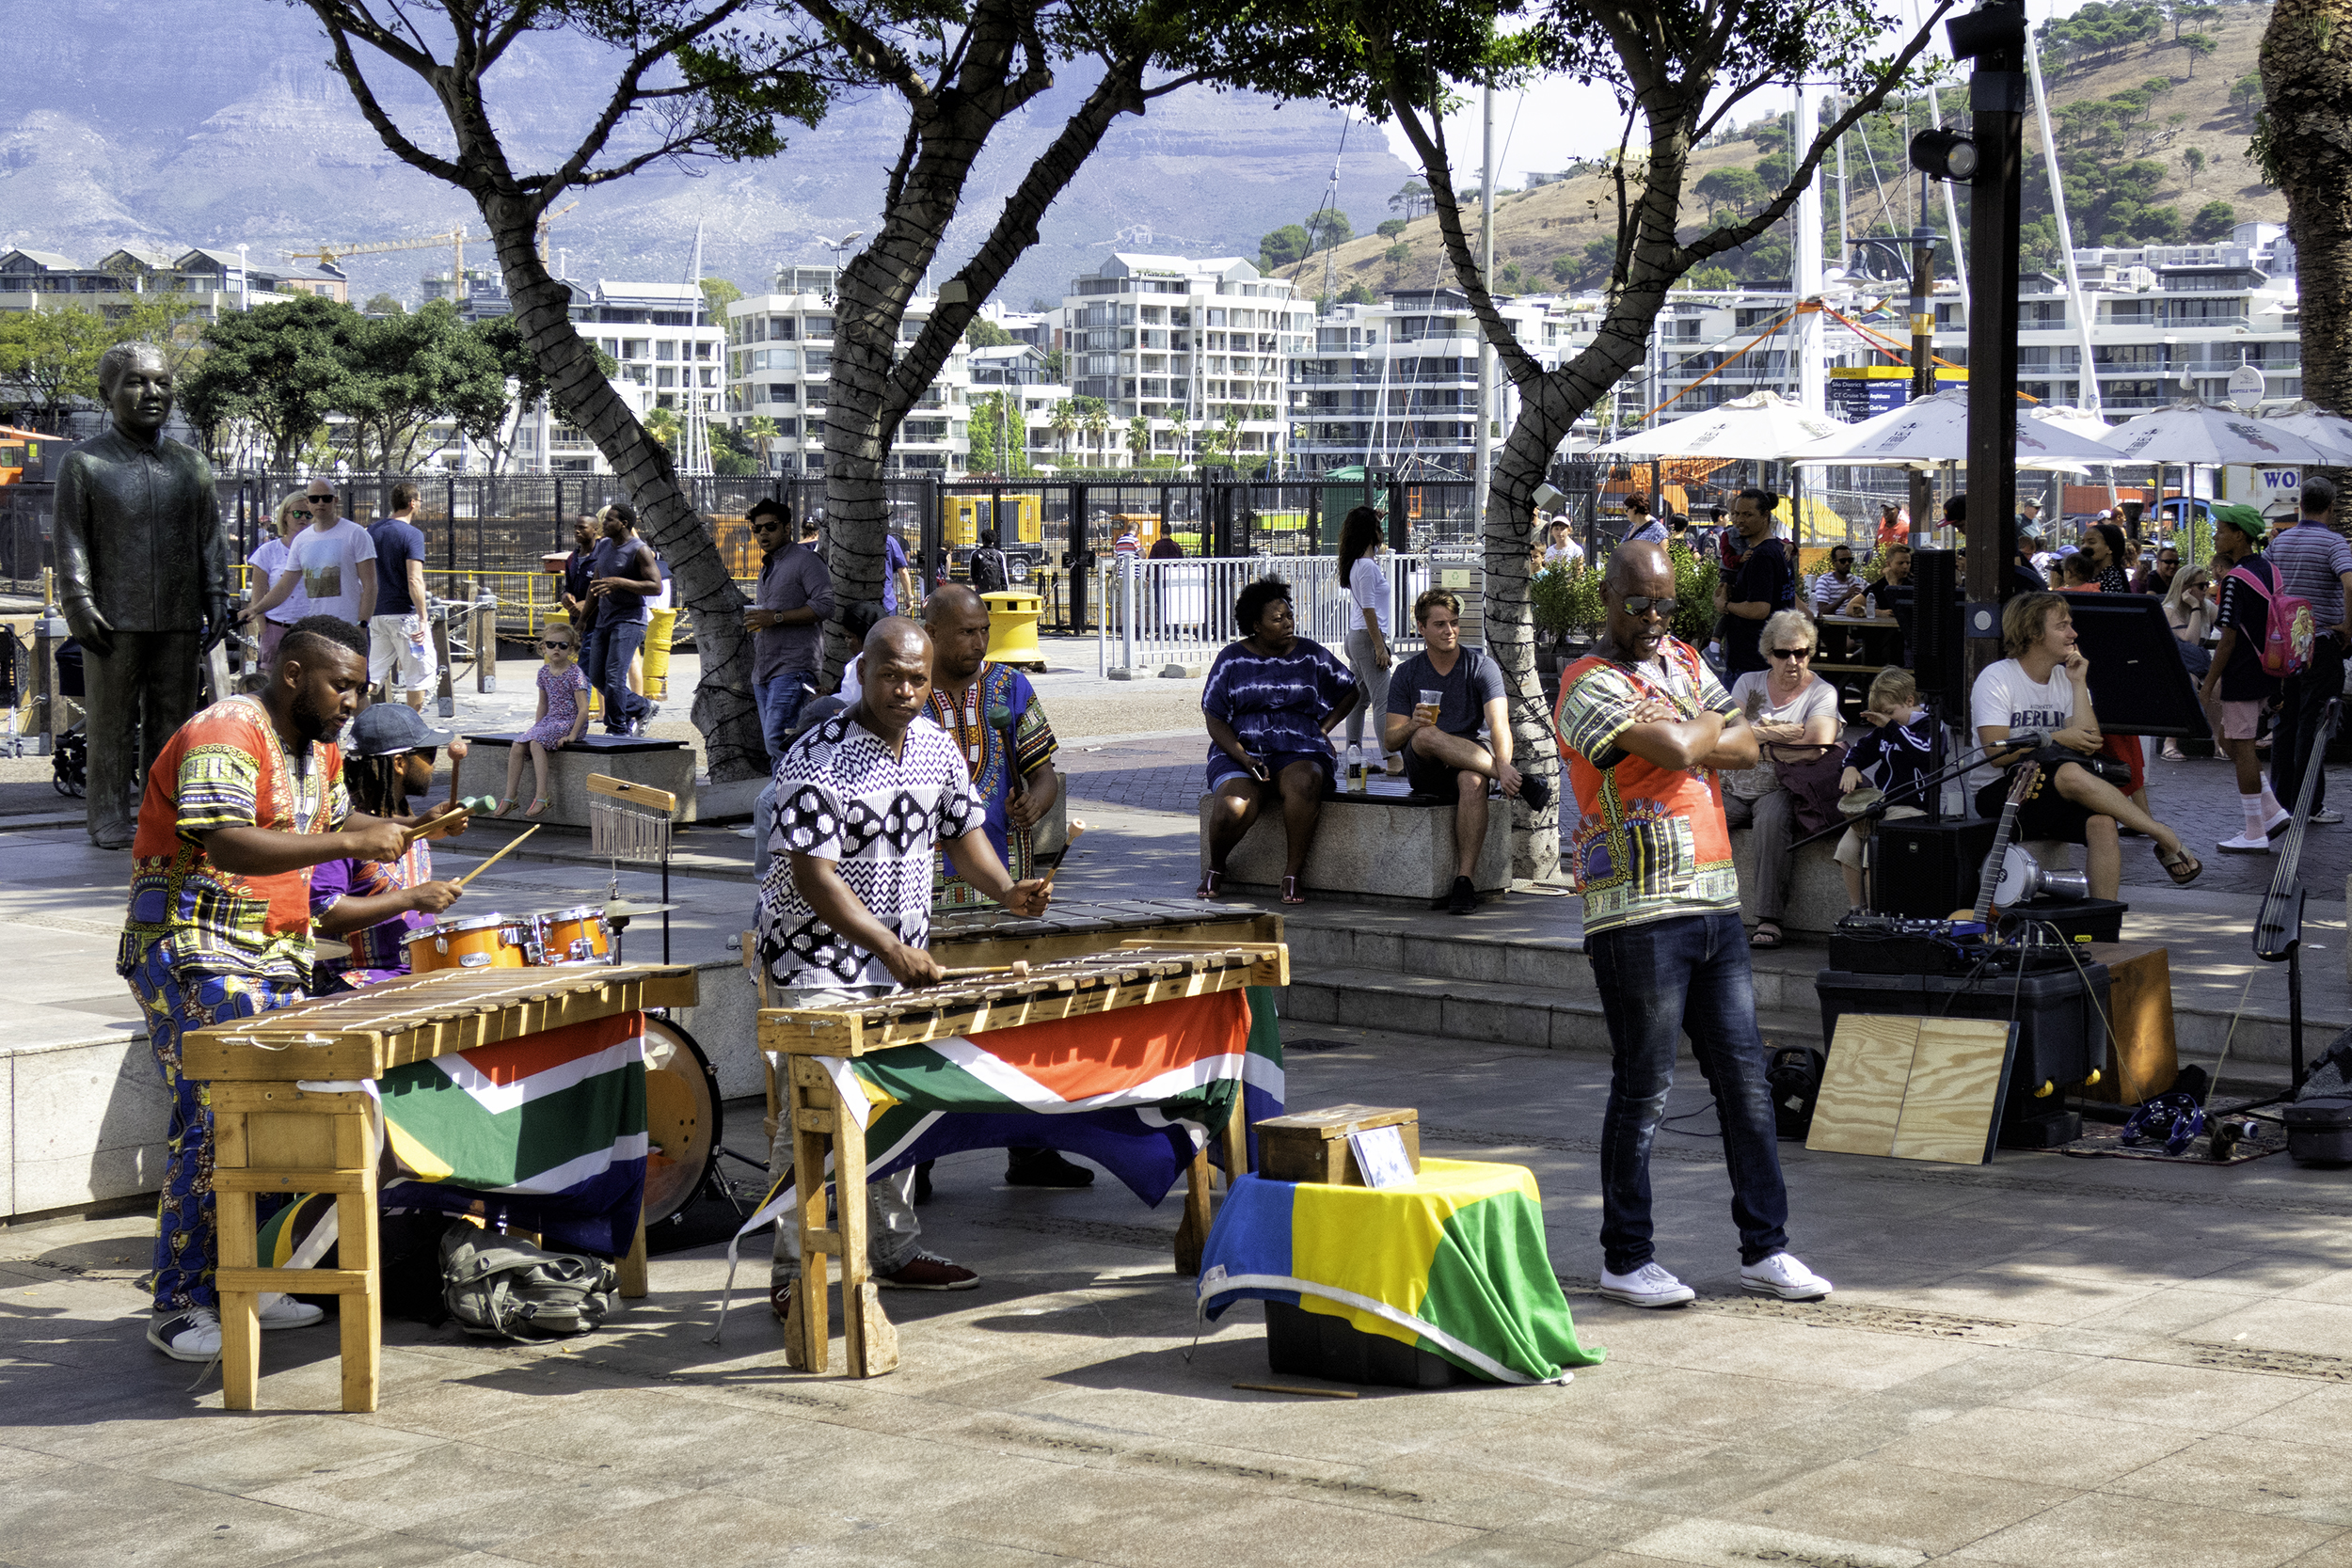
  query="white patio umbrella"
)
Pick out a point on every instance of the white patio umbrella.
point(1935, 430)
point(1758, 428)
point(2330, 433)
point(2202, 434)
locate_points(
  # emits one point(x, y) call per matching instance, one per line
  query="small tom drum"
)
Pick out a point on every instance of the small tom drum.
point(577, 936)
point(482, 942)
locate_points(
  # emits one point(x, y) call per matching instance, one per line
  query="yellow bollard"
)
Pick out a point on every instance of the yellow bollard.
point(1013, 617)
point(656, 653)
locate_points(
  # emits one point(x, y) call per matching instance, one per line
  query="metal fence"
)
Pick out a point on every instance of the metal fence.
point(1156, 613)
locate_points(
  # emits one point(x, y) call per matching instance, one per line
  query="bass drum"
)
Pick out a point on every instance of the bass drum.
point(682, 1119)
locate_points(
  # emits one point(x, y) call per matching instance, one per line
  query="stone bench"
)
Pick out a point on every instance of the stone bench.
point(662, 764)
point(1378, 847)
point(1816, 889)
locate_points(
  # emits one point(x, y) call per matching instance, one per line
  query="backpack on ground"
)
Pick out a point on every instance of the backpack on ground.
point(2286, 642)
point(505, 1289)
point(989, 572)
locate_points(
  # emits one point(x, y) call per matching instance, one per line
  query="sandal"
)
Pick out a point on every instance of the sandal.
point(538, 804)
point(1290, 891)
point(2184, 868)
point(1212, 884)
point(1767, 935)
point(505, 806)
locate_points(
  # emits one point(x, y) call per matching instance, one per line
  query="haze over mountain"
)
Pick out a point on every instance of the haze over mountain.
point(217, 122)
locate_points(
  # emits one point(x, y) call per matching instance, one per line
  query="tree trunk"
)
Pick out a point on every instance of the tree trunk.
point(724, 710)
point(2307, 133)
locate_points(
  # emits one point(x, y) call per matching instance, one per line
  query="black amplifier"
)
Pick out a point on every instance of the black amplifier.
point(1891, 944)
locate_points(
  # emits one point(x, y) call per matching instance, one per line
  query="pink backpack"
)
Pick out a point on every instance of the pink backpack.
point(2286, 642)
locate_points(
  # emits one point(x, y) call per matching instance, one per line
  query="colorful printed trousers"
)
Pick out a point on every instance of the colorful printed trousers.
point(175, 1000)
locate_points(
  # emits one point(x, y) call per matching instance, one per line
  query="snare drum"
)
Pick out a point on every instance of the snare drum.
point(577, 936)
point(482, 941)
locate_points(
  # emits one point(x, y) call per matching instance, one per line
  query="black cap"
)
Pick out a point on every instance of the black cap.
point(388, 729)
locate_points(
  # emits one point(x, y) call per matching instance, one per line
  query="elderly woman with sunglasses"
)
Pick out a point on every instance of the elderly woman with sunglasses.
point(1789, 706)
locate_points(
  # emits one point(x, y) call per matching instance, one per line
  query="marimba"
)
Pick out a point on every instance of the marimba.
point(1136, 972)
point(289, 1117)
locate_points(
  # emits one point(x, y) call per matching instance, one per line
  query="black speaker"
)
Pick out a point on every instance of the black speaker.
point(1938, 652)
point(2138, 685)
point(1926, 870)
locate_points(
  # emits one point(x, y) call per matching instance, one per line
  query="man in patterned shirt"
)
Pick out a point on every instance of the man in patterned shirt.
point(862, 799)
point(242, 801)
point(1643, 731)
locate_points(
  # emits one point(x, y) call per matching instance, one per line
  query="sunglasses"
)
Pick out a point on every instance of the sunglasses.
point(318, 501)
point(1642, 605)
point(1792, 653)
point(1841, 560)
point(301, 512)
point(555, 642)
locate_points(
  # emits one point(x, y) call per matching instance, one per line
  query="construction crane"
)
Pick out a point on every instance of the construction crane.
point(328, 255)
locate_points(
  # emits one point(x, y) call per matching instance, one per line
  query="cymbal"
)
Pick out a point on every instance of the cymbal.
point(621, 909)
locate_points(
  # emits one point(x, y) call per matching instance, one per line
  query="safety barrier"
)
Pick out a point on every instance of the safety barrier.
point(1157, 613)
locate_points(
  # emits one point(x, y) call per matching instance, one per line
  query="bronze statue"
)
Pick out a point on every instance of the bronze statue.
point(142, 579)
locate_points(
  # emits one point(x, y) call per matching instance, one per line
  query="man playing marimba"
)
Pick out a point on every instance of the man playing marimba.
point(242, 801)
point(861, 798)
point(992, 715)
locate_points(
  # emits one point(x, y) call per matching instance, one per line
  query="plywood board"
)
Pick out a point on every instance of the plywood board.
point(1862, 1087)
point(1958, 1077)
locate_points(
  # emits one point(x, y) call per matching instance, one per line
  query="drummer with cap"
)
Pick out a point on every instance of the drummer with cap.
point(861, 798)
point(375, 907)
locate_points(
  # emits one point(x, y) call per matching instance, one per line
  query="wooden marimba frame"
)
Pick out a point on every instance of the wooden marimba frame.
point(270, 1135)
point(1134, 973)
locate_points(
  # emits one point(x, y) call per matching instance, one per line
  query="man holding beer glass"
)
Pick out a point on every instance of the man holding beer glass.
point(1439, 700)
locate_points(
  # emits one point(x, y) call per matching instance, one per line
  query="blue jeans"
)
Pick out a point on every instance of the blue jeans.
point(780, 697)
point(606, 658)
point(1657, 980)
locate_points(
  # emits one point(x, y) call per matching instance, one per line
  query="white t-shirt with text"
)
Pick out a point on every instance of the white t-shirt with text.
point(2005, 695)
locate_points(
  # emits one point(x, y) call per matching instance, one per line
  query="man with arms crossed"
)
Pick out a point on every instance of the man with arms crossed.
point(861, 798)
point(1442, 757)
point(1645, 729)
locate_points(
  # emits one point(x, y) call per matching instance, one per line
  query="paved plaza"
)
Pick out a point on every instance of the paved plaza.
point(2045, 1360)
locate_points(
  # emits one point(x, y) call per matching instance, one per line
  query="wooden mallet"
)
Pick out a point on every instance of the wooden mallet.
point(495, 858)
point(1077, 828)
point(1018, 969)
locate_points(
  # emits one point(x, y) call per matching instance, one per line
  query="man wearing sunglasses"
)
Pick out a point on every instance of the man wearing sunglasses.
point(1644, 730)
point(332, 562)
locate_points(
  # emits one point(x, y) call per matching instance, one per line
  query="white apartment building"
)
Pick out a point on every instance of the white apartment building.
point(209, 281)
point(1166, 337)
point(1019, 373)
point(780, 364)
point(672, 355)
point(1396, 384)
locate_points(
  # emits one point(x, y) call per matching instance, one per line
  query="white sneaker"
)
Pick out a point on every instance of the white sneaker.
point(280, 1310)
point(2257, 844)
point(190, 1335)
point(1782, 1275)
point(1648, 1286)
point(2326, 817)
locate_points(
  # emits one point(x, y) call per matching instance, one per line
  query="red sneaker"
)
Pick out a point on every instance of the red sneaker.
point(927, 1272)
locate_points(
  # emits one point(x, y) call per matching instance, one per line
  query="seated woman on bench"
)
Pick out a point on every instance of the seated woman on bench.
point(2044, 685)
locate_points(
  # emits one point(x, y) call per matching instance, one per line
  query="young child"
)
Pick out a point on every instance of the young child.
point(1901, 749)
point(563, 715)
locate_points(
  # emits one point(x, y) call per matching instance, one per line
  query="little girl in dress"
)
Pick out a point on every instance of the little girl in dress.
point(563, 715)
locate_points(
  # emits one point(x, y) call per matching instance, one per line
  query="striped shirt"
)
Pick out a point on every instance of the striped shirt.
point(227, 768)
point(2309, 557)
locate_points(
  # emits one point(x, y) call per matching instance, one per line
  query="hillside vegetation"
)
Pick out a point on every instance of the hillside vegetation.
point(2151, 132)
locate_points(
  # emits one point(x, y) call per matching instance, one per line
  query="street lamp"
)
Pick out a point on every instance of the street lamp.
point(837, 247)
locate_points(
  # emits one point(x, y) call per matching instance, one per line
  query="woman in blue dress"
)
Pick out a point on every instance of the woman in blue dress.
point(1271, 703)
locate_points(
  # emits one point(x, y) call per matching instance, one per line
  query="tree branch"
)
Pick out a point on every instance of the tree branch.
point(1429, 143)
point(347, 66)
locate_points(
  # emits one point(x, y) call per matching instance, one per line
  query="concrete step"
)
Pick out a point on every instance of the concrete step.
point(1457, 983)
point(1493, 1012)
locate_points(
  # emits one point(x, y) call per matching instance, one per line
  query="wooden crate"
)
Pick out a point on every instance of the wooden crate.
point(2142, 1056)
point(1311, 1145)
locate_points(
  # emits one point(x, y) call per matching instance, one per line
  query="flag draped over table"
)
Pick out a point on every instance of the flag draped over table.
point(547, 1130)
point(1136, 1090)
point(1454, 1263)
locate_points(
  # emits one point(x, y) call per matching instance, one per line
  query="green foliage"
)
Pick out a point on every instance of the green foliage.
point(999, 435)
point(731, 451)
point(2193, 159)
point(1359, 294)
point(1740, 189)
point(1284, 248)
point(1390, 227)
point(1694, 595)
point(1509, 277)
point(384, 305)
point(1600, 257)
point(2100, 30)
point(1710, 277)
point(2198, 46)
point(2213, 223)
point(1563, 269)
point(661, 424)
point(1139, 440)
point(1329, 229)
point(718, 293)
point(984, 333)
point(48, 358)
point(2247, 91)
point(1397, 254)
point(1565, 599)
point(281, 369)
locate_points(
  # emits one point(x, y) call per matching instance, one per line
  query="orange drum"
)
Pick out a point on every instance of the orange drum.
point(577, 936)
point(482, 941)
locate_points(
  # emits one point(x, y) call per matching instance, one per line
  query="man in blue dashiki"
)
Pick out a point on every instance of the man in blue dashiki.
point(994, 716)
